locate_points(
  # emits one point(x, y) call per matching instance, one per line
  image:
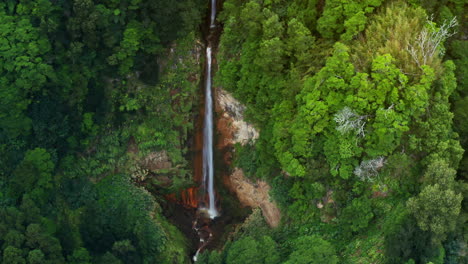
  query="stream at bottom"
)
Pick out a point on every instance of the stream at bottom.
point(202, 232)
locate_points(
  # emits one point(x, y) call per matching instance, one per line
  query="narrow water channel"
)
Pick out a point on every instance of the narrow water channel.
point(208, 163)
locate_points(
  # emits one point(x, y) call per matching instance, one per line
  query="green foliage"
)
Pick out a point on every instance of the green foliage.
point(89, 89)
point(210, 257)
point(358, 222)
point(34, 176)
point(389, 32)
point(366, 249)
point(312, 249)
point(24, 69)
point(35, 256)
point(80, 256)
point(131, 208)
point(248, 250)
point(243, 251)
point(405, 241)
point(246, 158)
point(326, 110)
point(436, 209)
point(253, 226)
point(25, 235)
point(13, 255)
point(78, 80)
point(458, 53)
point(344, 17)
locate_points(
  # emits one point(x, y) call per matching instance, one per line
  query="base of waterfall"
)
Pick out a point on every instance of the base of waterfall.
point(211, 213)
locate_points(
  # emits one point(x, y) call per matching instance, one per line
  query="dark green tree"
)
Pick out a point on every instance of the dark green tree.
point(312, 250)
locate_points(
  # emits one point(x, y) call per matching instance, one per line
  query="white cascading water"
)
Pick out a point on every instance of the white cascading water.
point(208, 168)
point(213, 13)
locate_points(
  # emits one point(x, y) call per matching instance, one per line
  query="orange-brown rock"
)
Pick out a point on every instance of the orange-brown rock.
point(254, 195)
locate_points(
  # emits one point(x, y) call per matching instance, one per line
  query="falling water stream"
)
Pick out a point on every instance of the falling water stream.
point(208, 164)
point(208, 168)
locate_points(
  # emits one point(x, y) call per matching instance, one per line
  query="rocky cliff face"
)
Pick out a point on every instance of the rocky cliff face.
point(231, 114)
point(233, 129)
point(254, 195)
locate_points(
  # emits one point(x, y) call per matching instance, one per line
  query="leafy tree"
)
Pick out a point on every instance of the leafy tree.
point(108, 258)
point(249, 250)
point(128, 47)
point(439, 172)
point(244, 250)
point(338, 16)
point(36, 256)
point(215, 258)
point(80, 256)
point(405, 241)
point(357, 222)
point(268, 250)
point(123, 247)
point(12, 255)
point(24, 70)
point(14, 238)
point(304, 11)
point(389, 32)
point(130, 207)
point(436, 210)
point(210, 257)
point(311, 250)
point(300, 43)
point(34, 175)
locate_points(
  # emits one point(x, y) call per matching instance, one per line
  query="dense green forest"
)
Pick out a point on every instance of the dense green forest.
point(362, 108)
point(79, 79)
point(362, 111)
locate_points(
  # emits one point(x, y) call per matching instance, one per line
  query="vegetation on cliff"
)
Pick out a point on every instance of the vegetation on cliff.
point(88, 89)
point(359, 104)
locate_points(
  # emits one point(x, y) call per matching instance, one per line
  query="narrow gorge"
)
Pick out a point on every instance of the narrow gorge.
point(207, 207)
point(222, 197)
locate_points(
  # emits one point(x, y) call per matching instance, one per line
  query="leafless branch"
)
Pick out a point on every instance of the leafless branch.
point(429, 40)
point(348, 120)
point(368, 169)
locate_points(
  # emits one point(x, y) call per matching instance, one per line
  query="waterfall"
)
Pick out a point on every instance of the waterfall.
point(213, 13)
point(208, 168)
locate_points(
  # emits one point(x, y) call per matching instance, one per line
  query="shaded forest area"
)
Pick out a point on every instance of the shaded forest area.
point(84, 101)
point(361, 105)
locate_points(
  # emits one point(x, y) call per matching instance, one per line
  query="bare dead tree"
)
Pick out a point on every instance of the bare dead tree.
point(369, 169)
point(348, 120)
point(428, 42)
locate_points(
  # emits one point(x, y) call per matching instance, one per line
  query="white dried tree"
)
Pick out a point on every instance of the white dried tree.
point(347, 120)
point(429, 40)
point(369, 169)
